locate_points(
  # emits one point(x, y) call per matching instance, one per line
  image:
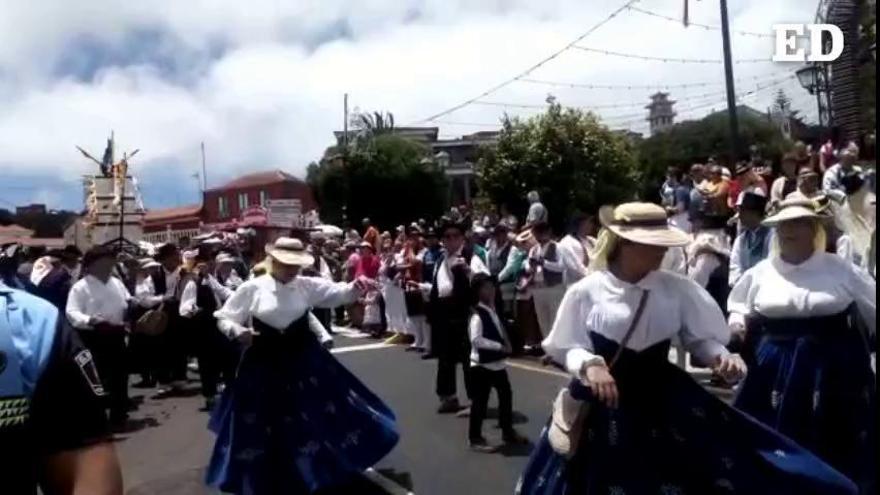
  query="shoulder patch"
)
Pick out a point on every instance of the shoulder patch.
point(86, 365)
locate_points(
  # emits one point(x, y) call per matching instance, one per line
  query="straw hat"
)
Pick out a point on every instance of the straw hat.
point(642, 223)
point(524, 237)
point(148, 263)
point(793, 209)
point(288, 251)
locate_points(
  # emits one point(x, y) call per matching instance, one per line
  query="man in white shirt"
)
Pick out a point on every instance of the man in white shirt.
point(97, 308)
point(576, 248)
point(449, 310)
point(172, 344)
point(545, 264)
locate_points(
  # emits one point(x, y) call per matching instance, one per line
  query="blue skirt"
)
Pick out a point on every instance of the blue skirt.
point(671, 436)
point(295, 421)
point(811, 380)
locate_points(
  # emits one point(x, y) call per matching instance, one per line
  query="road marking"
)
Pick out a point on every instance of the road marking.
point(350, 333)
point(365, 347)
point(537, 369)
point(386, 483)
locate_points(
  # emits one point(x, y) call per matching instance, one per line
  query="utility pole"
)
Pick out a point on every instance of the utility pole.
point(204, 170)
point(731, 94)
point(345, 123)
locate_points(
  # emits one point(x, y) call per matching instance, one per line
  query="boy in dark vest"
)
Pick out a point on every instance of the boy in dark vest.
point(752, 244)
point(490, 346)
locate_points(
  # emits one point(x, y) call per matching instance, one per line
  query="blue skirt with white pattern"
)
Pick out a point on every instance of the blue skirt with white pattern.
point(670, 436)
point(295, 421)
point(811, 379)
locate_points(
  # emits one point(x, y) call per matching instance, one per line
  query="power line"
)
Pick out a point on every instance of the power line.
point(707, 27)
point(574, 85)
point(531, 69)
point(668, 59)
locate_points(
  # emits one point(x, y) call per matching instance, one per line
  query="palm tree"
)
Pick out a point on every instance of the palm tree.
point(377, 123)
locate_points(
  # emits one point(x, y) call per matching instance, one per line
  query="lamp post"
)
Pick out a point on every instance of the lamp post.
point(814, 78)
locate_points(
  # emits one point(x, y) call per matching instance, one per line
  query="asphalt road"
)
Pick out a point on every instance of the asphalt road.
point(169, 444)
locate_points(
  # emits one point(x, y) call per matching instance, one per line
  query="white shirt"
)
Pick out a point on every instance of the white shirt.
point(574, 254)
point(444, 273)
point(280, 305)
point(171, 281)
point(475, 329)
point(233, 280)
point(736, 270)
point(539, 252)
point(823, 285)
point(604, 304)
point(675, 261)
point(144, 293)
point(831, 180)
point(188, 298)
point(92, 297)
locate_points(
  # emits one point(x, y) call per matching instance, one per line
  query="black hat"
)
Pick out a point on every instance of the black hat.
point(852, 182)
point(72, 252)
point(478, 281)
point(430, 232)
point(742, 167)
point(166, 250)
point(448, 224)
point(753, 202)
point(96, 253)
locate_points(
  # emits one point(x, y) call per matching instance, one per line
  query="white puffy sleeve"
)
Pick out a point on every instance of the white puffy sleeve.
point(76, 311)
point(740, 301)
point(321, 293)
point(705, 332)
point(569, 340)
point(234, 318)
point(188, 299)
point(735, 270)
point(318, 329)
point(863, 289)
point(845, 248)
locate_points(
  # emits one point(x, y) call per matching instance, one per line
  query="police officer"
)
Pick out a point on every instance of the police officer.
point(53, 430)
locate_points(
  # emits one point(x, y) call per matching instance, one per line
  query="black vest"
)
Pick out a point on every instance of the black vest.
point(496, 268)
point(490, 332)
point(205, 300)
point(718, 285)
point(551, 279)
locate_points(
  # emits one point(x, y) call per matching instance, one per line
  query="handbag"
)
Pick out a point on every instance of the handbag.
point(570, 414)
point(153, 322)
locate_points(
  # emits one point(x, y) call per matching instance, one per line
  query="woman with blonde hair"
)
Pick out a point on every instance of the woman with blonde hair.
point(811, 378)
point(632, 422)
point(293, 420)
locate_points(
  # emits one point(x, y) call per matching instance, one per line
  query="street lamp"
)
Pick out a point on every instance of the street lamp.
point(810, 78)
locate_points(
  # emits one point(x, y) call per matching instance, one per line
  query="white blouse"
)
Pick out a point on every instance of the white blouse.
point(604, 304)
point(280, 305)
point(824, 285)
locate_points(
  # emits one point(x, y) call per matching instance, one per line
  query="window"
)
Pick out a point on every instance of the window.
point(242, 201)
point(264, 198)
point(223, 206)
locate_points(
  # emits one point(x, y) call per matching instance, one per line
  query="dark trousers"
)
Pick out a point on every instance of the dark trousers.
point(325, 316)
point(452, 348)
point(528, 331)
point(173, 347)
point(215, 354)
point(107, 345)
point(483, 380)
point(144, 351)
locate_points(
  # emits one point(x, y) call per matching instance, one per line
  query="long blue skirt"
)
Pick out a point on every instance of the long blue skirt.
point(812, 381)
point(670, 436)
point(295, 421)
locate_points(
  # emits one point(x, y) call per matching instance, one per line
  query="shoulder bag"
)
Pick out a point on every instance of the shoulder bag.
point(570, 414)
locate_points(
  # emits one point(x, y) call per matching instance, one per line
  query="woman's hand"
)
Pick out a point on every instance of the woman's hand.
point(600, 381)
point(731, 367)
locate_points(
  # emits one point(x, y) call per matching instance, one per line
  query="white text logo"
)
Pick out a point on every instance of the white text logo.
point(787, 36)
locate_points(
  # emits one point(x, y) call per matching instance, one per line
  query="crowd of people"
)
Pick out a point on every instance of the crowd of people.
point(768, 281)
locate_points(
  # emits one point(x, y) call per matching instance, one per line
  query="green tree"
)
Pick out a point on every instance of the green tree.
point(387, 178)
point(695, 141)
point(574, 162)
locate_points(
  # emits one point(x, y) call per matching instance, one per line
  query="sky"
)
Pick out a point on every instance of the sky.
point(261, 82)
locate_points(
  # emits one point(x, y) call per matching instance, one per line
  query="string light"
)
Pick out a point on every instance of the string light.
point(667, 59)
point(573, 85)
point(534, 67)
point(707, 27)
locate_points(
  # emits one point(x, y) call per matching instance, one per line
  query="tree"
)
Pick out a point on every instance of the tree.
point(574, 162)
point(695, 141)
point(387, 178)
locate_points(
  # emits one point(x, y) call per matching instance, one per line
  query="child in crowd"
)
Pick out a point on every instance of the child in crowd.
point(490, 346)
point(372, 314)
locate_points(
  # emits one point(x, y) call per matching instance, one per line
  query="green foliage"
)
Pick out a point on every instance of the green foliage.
point(385, 178)
point(695, 141)
point(574, 162)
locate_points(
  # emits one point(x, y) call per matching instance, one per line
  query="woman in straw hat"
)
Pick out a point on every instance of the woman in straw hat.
point(294, 420)
point(646, 426)
point(811, 378)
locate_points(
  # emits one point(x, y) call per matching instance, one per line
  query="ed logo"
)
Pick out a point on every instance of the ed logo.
point(787, 36)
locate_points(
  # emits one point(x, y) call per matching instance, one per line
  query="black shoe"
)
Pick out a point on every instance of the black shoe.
point(449, 406)
point(482, 446)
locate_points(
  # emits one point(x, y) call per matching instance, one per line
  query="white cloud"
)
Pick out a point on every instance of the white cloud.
point(274, 94)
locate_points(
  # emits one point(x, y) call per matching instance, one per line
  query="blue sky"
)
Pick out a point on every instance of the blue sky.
point(262, 82)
